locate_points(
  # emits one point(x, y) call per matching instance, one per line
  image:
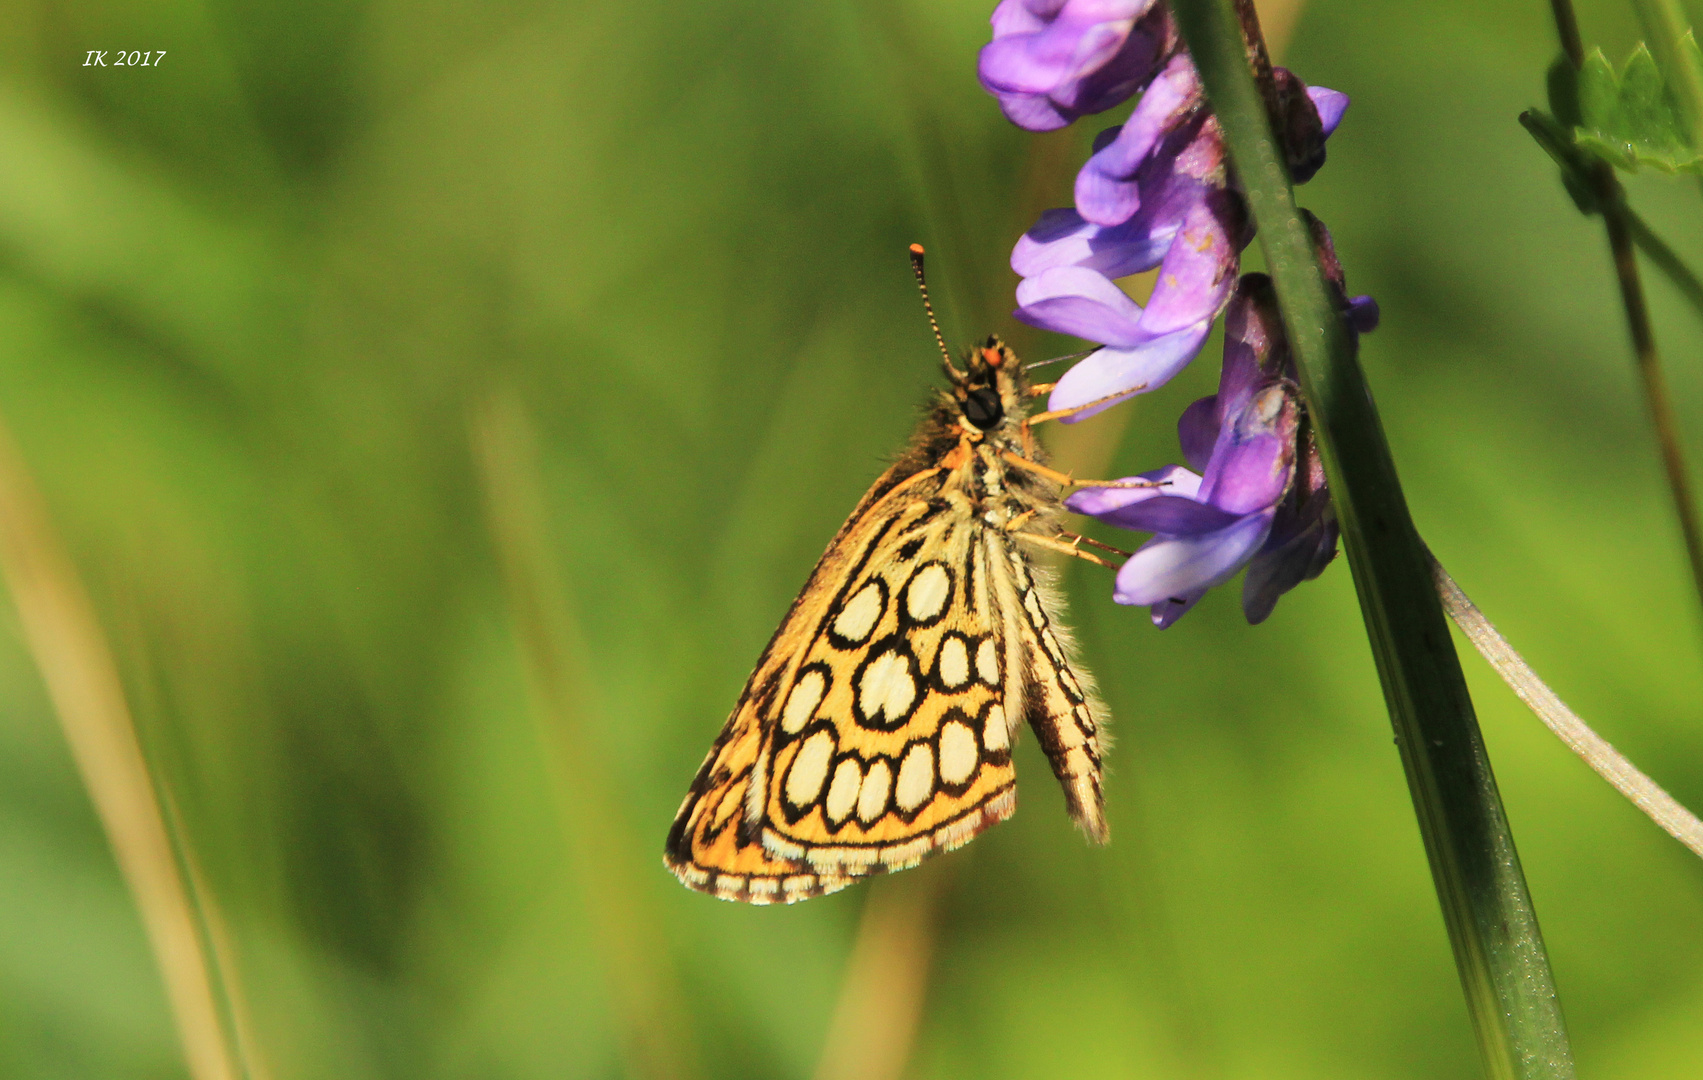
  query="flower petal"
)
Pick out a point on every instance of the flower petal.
point(1363, 314)
point(1197, 431)
point(1275, 570)
point(1253, 461)
point(1108, 187)
point(1082, 302)
point(1062, 238)
point(1169, 610)
point(1031, 112)
point(1167, 566)
point(1331, 105)
point(1171, 515)
point(1170, 480)
point(1127, 371)
point(1199, 270)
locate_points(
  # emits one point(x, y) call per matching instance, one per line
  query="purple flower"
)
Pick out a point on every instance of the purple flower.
point(1155, 193)
point(1260, 498)
point(1171, 145)
point(1068, 265)
point(1206, 527)
point(1051, 61)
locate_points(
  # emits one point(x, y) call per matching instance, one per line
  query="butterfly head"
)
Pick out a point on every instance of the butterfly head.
point(991, 387)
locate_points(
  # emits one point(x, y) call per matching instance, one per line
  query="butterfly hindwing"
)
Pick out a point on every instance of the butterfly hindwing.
point(1061, 703)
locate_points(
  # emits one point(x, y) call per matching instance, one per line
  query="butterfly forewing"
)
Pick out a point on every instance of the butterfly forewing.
point(877, 727)
point(894, 739)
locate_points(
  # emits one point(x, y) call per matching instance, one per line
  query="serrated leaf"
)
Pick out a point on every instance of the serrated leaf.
point(1631, 120)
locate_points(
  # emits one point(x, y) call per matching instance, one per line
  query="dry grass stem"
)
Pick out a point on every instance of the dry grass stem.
point(649, 1004)
point(76, 663)
point(1608, 762)
point(886, 981)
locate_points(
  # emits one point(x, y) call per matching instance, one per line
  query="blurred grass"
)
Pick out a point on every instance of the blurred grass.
point(249, 298)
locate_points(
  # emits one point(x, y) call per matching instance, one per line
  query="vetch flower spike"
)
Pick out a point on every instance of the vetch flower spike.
point(1261, 500)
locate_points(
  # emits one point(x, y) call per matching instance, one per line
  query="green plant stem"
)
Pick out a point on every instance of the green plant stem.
point(1611, 202)
point(1666, 259)
point(1486, 906)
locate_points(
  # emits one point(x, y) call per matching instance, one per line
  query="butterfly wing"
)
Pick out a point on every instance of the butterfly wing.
point(893, 741)
point(715, 844)
point(1061, 705)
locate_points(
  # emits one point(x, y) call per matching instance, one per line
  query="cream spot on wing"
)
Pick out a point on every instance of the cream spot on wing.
point(842, 793)
point(872, 797)
point(887, 688)
point(957, 752)
point(801, 703)
point(995, 735)
point(987, 662)
point(1068, 681)
point(916, 777)
point(925, 596)
point(954, 663)
point(1032, 605)
point(809, 769)
point(858, 618)
point(1052, 646)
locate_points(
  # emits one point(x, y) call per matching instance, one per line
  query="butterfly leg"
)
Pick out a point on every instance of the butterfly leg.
point(1071, 547)
point(1066, 480)
point(1060, 414)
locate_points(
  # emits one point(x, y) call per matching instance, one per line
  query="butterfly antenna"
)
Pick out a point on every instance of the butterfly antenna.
point(933, 323)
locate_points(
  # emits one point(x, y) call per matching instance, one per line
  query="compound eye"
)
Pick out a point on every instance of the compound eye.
point(982, 407)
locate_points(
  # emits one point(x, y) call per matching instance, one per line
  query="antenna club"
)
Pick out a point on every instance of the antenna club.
point(933, 323)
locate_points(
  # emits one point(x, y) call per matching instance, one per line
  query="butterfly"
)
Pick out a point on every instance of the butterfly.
point(878, 724)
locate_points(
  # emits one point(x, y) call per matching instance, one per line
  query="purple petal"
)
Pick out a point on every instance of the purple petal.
point(1170, 480)
point(1030, 63)
point(1275, 570)
point(1197, 431)
point(1253, 462)
point(1363, 314)
point(1251, 325)
point(1085, 303)
point(1331, 105)
point(1250, 475)
point(1021, 17)
point(1172, 515)
point(1199, 269)
point(1169, 610)
point(1167, 567)
point(1066, 48)
point(1107, 187)
point(1169, 99)
point(1062, 238)
point(1031, 112)
point(1119, 77)
point(1126, 371)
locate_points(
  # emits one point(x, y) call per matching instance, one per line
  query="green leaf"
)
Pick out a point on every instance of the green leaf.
point(1630, 120)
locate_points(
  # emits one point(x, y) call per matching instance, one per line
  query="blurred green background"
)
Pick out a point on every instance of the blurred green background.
point(442, 402)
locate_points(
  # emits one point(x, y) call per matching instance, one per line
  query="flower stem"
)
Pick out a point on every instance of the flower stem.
point(1611, 201)
point(1487, 908)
